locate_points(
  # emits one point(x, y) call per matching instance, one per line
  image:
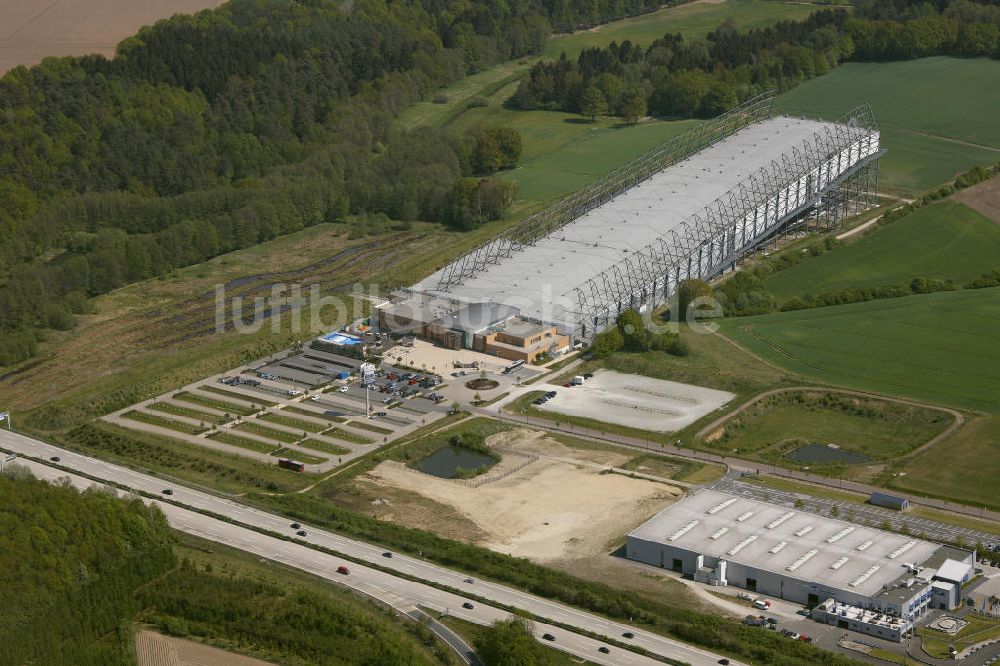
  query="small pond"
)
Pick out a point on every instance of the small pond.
point(445, 461)
point(820, 454)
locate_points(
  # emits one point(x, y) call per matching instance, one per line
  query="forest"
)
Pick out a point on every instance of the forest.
point(69, 562)
point(217, 131)
point(80, 569)
point(674, 78)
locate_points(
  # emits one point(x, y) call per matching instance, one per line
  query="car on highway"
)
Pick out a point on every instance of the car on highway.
point(628, 634)
point(470, 580)
point(167, 491)
point(55, 458)
point(604, 649)
point(723, 662)
point(386, 554)
point(548, 637)
point(314, 398)
point(302, 533)
point(295, 526)
point(343, 570)
point(468, 605)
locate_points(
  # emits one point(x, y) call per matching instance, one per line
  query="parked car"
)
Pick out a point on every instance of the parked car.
point(342, 389)
point(386, 554)
point(314, 398)
point(470, 580)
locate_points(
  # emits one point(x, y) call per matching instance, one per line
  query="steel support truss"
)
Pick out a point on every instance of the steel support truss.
point(830, 177)
point(576, 205)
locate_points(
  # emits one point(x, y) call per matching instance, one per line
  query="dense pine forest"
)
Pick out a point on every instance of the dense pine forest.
point(677, 78)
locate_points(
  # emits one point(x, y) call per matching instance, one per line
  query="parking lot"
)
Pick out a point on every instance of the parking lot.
point(304, 405)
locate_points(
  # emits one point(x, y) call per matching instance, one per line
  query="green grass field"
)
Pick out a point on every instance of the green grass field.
point(929, 138)
point(163, 422)
point(757, 430)
point(694, 21)
point(221, 405)
point(946, 240)
point(322, 447)
point(177, 410)
point(562, 152)
point(965, 467)
point(291, 422)
point(936, 347)
point(242, 442)
point(263, 431)
point(295, 454)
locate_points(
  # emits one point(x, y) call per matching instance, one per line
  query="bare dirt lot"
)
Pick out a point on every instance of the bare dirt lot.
point(153, 649)
point(34, 29)
point(561, 506)
point(984, 198)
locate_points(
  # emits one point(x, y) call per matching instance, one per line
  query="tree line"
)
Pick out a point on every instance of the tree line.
point(69, 562)
point(217, 131)
point(673, 77)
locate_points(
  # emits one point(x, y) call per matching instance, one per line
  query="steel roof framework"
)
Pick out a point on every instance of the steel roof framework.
point(605, 189)
point(704, 244)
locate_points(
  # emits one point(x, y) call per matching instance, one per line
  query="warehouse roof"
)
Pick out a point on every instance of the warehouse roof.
point(540, 279)
point(796, 544)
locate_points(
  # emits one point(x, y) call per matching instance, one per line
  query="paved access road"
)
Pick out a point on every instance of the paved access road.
point(398, 592)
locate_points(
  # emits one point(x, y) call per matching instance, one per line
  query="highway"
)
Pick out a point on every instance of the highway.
point(398, 592)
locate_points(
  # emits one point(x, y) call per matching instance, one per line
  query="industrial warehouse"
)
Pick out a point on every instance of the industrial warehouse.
point(852, 576)
point(689, 208)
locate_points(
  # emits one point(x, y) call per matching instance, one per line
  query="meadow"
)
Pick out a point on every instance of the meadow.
point(965, 467)
point(876, 429)
point(946, 241)
point(938, 348)
point(929, 139)
point(693, 20)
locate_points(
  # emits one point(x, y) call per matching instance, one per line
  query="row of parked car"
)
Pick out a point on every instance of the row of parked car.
point(542, 399)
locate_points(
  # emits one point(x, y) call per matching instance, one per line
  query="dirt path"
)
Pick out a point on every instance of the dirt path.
point(959, 417)
point(858, 229)
point(969, 144)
